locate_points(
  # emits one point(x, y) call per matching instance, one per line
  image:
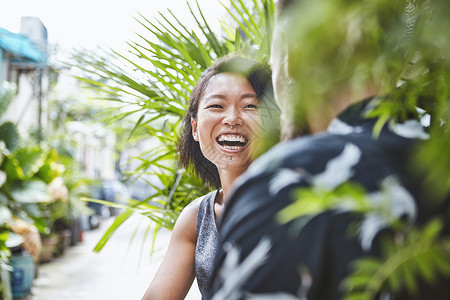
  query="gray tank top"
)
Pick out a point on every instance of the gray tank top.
point(207, 241)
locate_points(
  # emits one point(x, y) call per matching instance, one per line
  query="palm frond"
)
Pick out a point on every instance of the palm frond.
point(423, 255)
point(109, 232)
point(152, 83)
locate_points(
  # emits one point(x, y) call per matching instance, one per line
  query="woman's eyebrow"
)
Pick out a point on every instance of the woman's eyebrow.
point(249, 96)
point(220, 96)
point(214, 96)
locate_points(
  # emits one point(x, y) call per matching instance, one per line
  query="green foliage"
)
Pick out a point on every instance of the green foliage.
point(7, 91)
point(30, 191)
point(5, 254)
point(26, 170)
point(5, 218)
point(9, 140)
point(409, 255)
point(313, 200)
point(397, 50)
point(151, 86)
point(9, 135)
point(24, 163)
point(109, 232)
point(8, 131)
point(408, 259)
point(356, 48)
point(432, 161)
point(254, 19)
point(27, 176)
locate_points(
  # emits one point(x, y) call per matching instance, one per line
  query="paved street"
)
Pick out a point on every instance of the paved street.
point(118, 272)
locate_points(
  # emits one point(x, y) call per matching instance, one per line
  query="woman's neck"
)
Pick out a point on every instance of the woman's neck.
point(226, 179)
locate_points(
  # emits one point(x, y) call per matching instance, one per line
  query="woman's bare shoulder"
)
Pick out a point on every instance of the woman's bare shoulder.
point(192, 208)
point(196, 202)
point(188, 218)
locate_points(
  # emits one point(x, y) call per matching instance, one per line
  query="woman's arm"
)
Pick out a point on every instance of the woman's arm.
point(176, 272)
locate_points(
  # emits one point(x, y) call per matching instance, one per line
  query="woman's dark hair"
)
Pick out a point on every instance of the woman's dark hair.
point(259, 76)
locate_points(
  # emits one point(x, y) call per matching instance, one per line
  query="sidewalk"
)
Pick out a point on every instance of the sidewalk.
point(118, 272)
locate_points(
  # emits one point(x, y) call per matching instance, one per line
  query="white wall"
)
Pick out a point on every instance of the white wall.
point(24, 108)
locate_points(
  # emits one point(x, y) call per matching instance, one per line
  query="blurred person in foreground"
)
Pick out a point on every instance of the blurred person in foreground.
point(357, 207)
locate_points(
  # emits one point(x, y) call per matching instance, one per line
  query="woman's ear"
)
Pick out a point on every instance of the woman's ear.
point(194, 129)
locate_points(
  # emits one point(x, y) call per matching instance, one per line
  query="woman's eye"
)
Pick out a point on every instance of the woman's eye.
point(215, 106)
point(254, 106)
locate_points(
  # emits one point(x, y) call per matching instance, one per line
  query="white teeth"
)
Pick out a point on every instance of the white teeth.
point(232, 138)
point(231, 147)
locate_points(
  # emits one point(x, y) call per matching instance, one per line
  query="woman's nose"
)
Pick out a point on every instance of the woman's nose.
point(232, 118)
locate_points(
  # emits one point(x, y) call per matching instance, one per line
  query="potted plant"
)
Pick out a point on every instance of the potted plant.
point(24, 249)
point(19, 195)
point(5, 252)
point(20, 192)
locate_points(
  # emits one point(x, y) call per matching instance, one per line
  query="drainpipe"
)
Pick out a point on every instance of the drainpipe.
point(39, 96)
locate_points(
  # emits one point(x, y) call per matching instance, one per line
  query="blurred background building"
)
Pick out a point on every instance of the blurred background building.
point(24, 64)
point(23, 61)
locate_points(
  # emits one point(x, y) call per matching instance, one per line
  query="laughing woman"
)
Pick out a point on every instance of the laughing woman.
point(218, 140)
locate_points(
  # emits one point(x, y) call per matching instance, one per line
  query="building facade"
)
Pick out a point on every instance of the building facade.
point(24, 62)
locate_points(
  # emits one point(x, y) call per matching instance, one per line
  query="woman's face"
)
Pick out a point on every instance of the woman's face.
point(228, 121)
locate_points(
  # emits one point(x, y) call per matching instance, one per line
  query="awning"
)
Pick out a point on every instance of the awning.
point(21, 46)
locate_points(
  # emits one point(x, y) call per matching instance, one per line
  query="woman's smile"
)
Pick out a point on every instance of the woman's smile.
point(232, 142)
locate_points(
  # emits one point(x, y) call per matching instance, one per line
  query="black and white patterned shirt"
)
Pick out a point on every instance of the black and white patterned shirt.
point(266, 252)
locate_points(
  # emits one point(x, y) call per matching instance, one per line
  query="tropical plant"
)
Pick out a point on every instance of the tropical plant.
point(156, 80)
point(28, 189)
point(401, 46)
point(29, 172)
point(8, 141)
point(8, 131)
point(26, 172)
point(152, 85)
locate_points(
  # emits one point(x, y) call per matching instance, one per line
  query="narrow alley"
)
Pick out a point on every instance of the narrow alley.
point(118, 272)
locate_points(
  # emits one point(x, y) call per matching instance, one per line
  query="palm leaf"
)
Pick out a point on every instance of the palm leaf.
point(423, 255)
point(154, 81)
point(110, 231)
